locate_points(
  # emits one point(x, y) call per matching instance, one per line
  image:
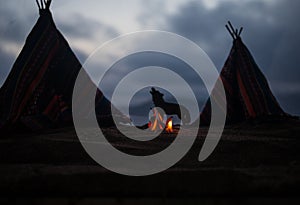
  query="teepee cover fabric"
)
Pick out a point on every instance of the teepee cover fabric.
point(38, 91)
point(247, 91)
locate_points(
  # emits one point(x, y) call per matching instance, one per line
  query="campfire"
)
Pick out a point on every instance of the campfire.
point(169, 125)
point(157, 122)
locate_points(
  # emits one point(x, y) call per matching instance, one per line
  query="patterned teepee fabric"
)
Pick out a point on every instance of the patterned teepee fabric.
point(38, 91)
point(247, 91)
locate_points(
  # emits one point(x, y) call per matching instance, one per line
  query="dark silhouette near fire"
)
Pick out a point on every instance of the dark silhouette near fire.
point(170, 108)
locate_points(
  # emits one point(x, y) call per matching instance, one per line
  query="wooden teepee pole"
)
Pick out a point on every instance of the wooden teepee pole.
point(43, 4)
point(230, 32)
point(235, 33)
point(240, 32)
point(48, 3)
point(38, 4)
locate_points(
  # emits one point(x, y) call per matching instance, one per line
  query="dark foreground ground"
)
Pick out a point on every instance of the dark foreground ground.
point(253, 164)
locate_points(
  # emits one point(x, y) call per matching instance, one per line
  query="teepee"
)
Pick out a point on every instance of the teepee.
point(247, 91)
point(38, 91)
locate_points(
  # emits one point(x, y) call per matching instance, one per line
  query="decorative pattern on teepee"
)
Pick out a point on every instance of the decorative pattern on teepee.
point(247, 91)
point(38, 91)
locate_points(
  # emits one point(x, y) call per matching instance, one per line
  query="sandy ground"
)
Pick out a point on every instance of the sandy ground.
point(253, 163)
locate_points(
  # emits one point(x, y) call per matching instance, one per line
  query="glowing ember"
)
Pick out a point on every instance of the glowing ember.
point(169, 127)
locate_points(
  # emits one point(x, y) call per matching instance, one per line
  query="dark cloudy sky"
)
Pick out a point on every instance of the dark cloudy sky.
point(271, 31)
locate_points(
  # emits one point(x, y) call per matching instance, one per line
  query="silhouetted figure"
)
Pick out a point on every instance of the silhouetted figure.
point(170, 108)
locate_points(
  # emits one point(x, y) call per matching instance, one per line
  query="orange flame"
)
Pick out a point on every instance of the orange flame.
point(169, 127)
point(158, 123)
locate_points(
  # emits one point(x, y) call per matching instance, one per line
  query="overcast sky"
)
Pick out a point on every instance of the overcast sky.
point(271, 31)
